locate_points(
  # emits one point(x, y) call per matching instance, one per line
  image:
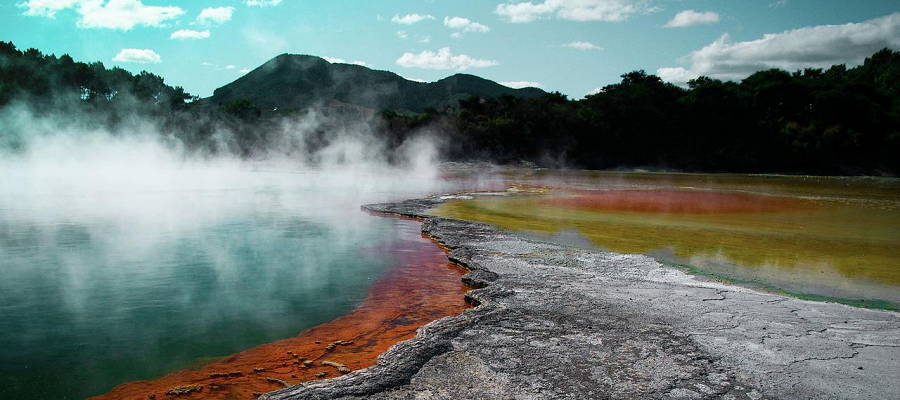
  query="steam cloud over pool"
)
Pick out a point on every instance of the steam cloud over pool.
point(125, 256)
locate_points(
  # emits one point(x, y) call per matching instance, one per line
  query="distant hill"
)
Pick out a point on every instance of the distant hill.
point(297, 81)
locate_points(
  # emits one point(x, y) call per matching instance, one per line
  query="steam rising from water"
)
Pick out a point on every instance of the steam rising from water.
point(138, 156)
point(53, 165)
point(136, 188)
point(125, 255)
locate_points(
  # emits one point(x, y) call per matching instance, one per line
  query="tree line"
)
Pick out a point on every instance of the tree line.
point(826, 121)
point(835, 121)
point(90, 95)
point(34, 76)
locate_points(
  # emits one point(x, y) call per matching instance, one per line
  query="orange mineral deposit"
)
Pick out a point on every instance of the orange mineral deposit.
point(421, 288)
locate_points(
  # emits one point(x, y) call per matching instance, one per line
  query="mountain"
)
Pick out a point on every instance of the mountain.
point(292, 81)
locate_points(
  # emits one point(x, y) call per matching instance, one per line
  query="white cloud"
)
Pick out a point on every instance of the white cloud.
point(228, 67)
point(465, 25)
point(140, 56)
point(410, 19)
point(123, 14)
point(262, 3)
point(189, 34)
point(456, 35)
point(676, 75)
point(46, 8)
point(574, 10)
point(583, 46)
point(113, 14)
point(424, 39)
point(811, 47)
point(443, 59)
point(335, 60)
point(417, 80)
point(594, 91)
point(216, 15)
point(401, 34)
point(688, 18)
point(778, 4)
point(520, 84)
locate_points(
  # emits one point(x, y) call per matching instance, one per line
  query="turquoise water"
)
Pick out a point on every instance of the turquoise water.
point(108, 280)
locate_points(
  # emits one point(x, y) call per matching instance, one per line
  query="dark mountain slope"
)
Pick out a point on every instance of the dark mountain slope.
point(296, 81)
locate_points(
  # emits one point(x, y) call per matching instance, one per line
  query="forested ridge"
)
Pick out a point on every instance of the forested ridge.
point(291, 82)
point(92, 96)
point(834, 121)
point(34, 76)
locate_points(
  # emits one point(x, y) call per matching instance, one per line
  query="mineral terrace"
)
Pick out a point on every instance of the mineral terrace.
point(561, 322)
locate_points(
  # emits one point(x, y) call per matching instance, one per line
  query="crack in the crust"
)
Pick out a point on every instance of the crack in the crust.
point(855, 353)
point(857, 345)
point(841, 347)
point(774, 335)
point(795, 312)
point(719, 292)
point(715, 328)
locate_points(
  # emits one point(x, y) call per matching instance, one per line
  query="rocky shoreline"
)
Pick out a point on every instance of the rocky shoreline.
point(559, 322)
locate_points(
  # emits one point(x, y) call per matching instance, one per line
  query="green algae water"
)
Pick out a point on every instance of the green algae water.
point(107, 280)
point(821, 238)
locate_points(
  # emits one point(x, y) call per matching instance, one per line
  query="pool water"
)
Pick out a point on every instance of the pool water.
point(109, 282)
point(821, 238)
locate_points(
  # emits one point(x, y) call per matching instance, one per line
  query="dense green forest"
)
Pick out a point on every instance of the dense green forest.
point(36, 77)
point(835, 121)
point(92, 96)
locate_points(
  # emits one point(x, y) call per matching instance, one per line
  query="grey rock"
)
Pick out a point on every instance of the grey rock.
point(555, 321)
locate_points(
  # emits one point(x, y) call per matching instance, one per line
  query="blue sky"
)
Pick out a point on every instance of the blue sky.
point(571, 46)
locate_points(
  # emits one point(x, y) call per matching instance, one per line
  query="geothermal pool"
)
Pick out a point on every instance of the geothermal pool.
point(419, 287)
point(108, 280)
point(112, 283)
point(821, 238)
